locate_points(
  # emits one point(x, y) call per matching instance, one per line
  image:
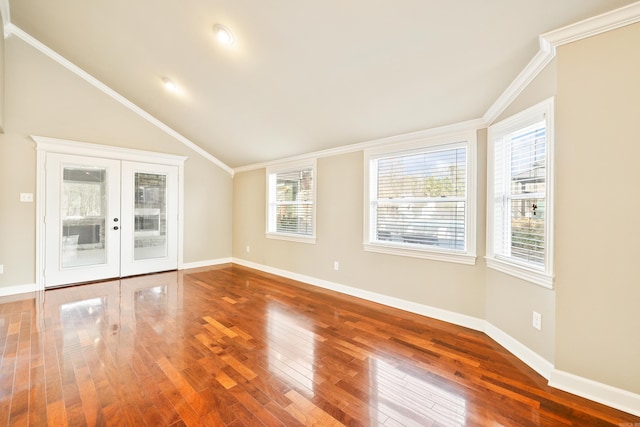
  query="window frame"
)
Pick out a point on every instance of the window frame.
point(466, 139)
point(518, 268)
point(291, 167)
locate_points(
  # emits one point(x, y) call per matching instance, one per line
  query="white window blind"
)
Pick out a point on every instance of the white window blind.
point(419, 199)
point(291, 195)
point(520, 195)
point(519, 188)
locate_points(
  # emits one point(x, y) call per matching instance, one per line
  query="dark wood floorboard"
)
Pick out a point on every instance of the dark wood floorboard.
point(230, 346)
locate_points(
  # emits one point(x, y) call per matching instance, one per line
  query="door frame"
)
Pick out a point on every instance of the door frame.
point(45, 145)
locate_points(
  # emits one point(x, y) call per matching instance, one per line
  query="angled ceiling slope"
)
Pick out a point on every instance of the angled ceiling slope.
point(546, 52)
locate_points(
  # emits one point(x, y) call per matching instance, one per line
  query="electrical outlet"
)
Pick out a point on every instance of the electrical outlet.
point(336, 265)
point(248, 248)
point(26, 197)
point(537, 321)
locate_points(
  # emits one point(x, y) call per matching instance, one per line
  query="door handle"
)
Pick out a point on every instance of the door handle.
point(115, 219)
point(116, 227)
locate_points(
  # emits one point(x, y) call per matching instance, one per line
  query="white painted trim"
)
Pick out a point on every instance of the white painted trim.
point(467, 140)
point(6, 15)
point(519, 84)
point(409, 306)
point(17, 289)
point(535, 277)
point(549, 41)
point(12, 29)
point(41, 184)
point(206, 263)
point(180, 216)
point(542, 110)
point(583, 387)
point(602, 393)
point(467, 126)
point(45, 145)
point(297, 238)
point(76, 148)
point(521, 351)
point(434, 255)
point(270, 220)
point(595, 25)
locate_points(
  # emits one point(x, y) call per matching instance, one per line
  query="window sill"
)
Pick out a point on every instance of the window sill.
point(530, 275)
point(454, 257)
point(292, 237)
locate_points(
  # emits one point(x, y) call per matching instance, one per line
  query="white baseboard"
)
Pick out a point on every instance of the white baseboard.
point(583, 387)
point(412, 307)
point(206, 263)
point(521, 351)
point(598, 392)
point(17, 289)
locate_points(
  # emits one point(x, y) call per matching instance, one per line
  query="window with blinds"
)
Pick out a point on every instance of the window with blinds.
point(419, 200)
point(291, 195)
point(520, 182)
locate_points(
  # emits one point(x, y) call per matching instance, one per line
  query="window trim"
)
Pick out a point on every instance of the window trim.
point(542, 276)
point(289, 167)
point(467, 139)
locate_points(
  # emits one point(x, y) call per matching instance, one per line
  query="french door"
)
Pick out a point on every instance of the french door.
point(108, 218)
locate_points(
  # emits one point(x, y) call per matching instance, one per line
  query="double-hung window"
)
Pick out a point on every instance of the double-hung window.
point(291, 196)
point(420, 199)
point(519, 232)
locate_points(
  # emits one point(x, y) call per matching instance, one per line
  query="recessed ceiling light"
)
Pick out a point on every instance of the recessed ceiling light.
point(223, 34)
point(169, 84)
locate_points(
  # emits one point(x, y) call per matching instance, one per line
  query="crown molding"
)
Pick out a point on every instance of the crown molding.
point(544, 56)
point(11, 29)
point(595, 25)
point(5, 10)
point(608, 21)
point(549, 41)
point(469, 125)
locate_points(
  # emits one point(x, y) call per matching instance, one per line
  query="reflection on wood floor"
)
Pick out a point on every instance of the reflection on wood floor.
point(229, 346)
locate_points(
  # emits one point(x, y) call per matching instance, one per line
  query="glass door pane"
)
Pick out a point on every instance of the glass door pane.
point(82, 219)
point(83, 215)
point(150, 216)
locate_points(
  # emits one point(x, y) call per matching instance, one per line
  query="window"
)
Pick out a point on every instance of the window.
point(291, 193)
point(421, 199)
point(519, 195)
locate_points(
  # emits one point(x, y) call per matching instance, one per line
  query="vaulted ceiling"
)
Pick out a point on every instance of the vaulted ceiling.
point(301, 76)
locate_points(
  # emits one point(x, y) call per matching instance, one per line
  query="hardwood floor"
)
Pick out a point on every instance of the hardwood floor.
point(230, 346)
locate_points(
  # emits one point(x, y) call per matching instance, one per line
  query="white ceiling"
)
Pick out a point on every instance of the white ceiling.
point(302, 76)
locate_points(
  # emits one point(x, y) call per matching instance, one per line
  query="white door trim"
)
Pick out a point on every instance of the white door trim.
point(46, 145)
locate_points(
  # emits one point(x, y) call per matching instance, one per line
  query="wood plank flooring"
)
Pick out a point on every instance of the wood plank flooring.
point(230, 346)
